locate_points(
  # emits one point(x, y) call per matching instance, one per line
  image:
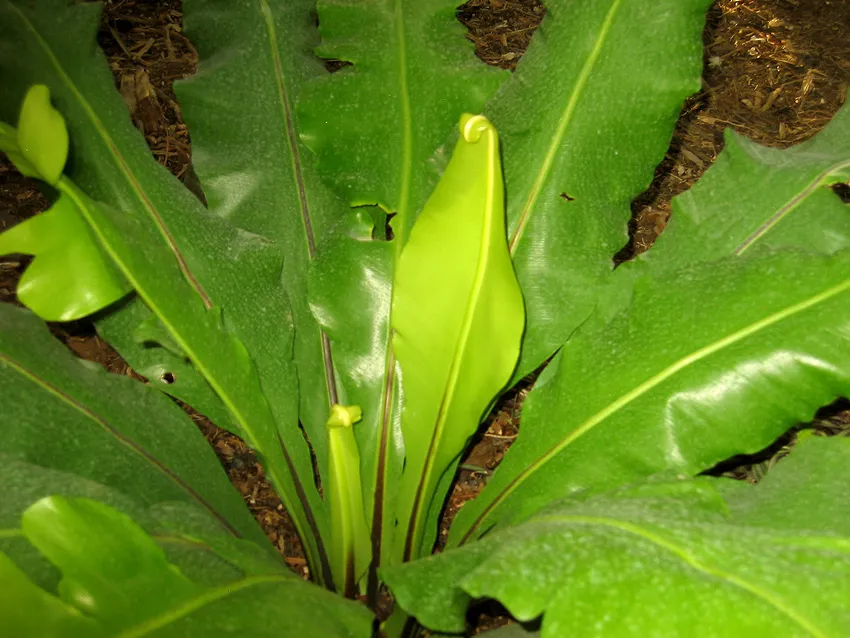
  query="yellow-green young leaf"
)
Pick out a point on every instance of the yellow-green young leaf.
point(457, 317)
point(351, 551)
point(28, 610)
point(71, 277)
point(9, 145)
point(42, 135)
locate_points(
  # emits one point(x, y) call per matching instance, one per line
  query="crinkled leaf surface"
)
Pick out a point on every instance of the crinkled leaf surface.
point(750, 347)
point(255, 171)
point(70, 277)
point(697, 557)
point(752, 197)
point(215, 287)
point(455, 275)
point(583, 122)
point(121, 578)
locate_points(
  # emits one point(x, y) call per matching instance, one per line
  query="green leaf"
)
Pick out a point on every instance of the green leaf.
point(454, 277)
point(751, 347)
point(70, 277)
point(166, 371)
point(584, 121)
point(42, 135)
point(118, 440)
point(214, 287)
point(779, 198)
point(350, 548)
point(388, 99)
point(29, 611)
point(9, 145)
point(117, 575)
point(702, 557)
point(400, 51)
point(255, 171)
point(350, 285)
point(112, 570)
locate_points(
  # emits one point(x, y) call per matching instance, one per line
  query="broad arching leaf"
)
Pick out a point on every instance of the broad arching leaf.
point(256, 172)
point(84, 429)
point(750, 347)
point(457, 320)
point(412, 74)
point(584, 121)
point(122, 580)
point(698, 557)
point(215, 287)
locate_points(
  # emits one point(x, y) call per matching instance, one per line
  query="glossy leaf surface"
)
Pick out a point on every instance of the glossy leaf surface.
point(751, 347)
point(71, 277)
point(28, 610)
point(457, 320)
point(583, 122)
point(697, 557)
point(122, 579)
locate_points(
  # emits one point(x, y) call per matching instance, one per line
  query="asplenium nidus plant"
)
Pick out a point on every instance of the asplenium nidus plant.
point(381, 253)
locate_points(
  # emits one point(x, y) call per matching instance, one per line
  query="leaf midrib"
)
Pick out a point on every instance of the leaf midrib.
point(399, 239)
point(298, 177)
point(119, 437)
point(637, 392)
point(461, 345)
point(787, 208)
point(682, 553)
point(193, 604)
point(407, 131)
point(563, 125)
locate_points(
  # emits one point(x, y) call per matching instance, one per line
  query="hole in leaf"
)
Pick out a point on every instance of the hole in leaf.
point(567, 198)
point(388, 229)
point(168, 378)
point(842, 190)
point(333, 66)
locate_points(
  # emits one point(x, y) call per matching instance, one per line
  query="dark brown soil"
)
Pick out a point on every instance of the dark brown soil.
point(775, 70)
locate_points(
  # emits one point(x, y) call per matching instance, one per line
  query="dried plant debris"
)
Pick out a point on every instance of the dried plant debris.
point(774, 71)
